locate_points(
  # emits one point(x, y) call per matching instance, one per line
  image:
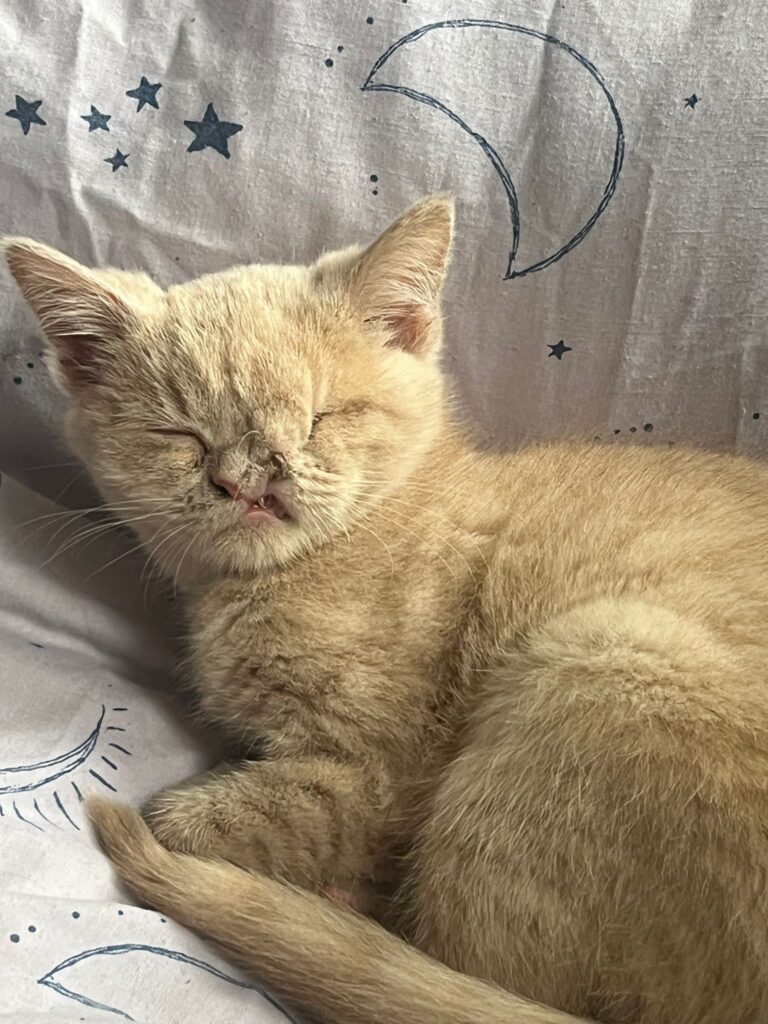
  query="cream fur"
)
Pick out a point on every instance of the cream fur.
point(521, 698)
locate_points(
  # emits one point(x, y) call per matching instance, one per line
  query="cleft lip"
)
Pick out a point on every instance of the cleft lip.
point(267, 507)
point(270, 502)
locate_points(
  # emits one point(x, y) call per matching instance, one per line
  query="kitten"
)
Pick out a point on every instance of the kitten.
point(526, 694)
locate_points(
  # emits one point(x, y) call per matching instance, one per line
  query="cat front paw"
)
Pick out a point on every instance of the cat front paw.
point(184, 819)
point(207, 818)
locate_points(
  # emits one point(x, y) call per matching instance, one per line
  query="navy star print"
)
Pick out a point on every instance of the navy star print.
point(211, 132)
point(559, 350)
point(26, 113)
point(96, 120)
point(118, 160)
point(145, 94)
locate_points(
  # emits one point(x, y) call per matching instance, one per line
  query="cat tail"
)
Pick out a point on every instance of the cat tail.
point(325, 960)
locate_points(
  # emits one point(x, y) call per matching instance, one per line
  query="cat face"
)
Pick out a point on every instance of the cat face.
point(243, 419)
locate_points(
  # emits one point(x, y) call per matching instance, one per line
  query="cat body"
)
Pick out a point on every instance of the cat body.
point(632, 655)
point(520, 699)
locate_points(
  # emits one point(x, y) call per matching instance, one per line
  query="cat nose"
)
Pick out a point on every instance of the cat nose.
point(249, 493)
point(274, 466)
point(227, 486)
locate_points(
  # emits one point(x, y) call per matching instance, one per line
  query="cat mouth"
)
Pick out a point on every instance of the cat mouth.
point(267, 508)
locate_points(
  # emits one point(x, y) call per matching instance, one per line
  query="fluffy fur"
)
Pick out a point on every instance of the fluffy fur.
point(520, 700)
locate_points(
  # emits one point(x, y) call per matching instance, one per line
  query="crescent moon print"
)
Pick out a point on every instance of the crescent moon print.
point(374, 83)
point(103, 971)
point(48, 791)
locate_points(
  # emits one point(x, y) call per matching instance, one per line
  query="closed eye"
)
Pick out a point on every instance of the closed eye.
point(174, 432)
point(316, 419)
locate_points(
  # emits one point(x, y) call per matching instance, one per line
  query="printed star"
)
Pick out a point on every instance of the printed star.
point(118, 160)
point(96, 120)
point(145, 93)
point(26, 113)
point(559, 350)
point(691, 101)
point(211, 132)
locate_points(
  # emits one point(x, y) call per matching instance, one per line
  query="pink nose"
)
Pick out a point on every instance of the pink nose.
point(248, 494)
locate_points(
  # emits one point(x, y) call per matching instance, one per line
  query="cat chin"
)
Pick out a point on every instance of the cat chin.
point(253, 549)
point(244, 561)
point(231, 541)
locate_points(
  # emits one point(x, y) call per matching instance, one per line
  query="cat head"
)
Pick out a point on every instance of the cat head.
point(244, 418)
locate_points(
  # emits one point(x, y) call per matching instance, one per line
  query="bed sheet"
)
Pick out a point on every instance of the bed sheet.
point(610, 163)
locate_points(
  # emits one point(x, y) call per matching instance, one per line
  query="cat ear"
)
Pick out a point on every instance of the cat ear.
point(397, 281)
point(81, 311)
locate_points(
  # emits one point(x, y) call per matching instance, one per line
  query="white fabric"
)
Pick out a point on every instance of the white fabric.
point(652, 326)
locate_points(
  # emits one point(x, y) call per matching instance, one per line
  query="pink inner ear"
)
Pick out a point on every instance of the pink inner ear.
point(81, 314)
point(409, 326)
point(79, 359)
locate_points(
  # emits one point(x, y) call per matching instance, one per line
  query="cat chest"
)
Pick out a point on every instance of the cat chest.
point(306, 674)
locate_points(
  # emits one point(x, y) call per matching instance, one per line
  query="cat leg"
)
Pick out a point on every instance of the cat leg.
point(314, 822)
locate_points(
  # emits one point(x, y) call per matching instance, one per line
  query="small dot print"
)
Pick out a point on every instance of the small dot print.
point(31, 929)
point(647, 427)
point(617, 431)
point(120, 913)
point(369, 19)
point(17, 380)
point(14, 938)
point(340, 49)
point(30, 365)
point(755, 415)
point(75, 914)
point(328, 62)
point(632, 430)
point(163, 921)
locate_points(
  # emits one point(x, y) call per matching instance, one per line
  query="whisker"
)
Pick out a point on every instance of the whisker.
point(178, 567)
point(94, 531)
point(386, 547)
point(105, 507)
point(125, 554)
point(410, 504)
point(401, 526)
point(116, 521)
point(66, 487)
point(50, 465)
point(245, 437)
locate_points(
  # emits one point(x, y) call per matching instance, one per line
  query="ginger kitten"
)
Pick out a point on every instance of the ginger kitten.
point(524, 694)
